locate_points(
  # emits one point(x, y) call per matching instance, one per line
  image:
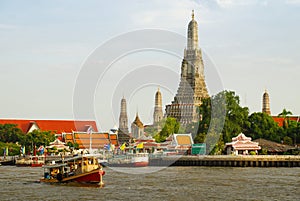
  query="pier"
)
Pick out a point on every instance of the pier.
point(229, 161)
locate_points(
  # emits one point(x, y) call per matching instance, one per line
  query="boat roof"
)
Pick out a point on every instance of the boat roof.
point(61, 161)
point(55, 165)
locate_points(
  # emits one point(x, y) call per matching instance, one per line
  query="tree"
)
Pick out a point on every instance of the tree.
point(37, 138)
point(236, 116)
point(293, 131)
point(288, 140)
point(285, 114)
point(221, 119)
point(171, 126)
point(10, 133)
point(262, 125)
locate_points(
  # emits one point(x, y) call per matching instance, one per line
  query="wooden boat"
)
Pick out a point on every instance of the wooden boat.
point(31, 161)
point(129, 160)
point(80, 169)
point(7, 162)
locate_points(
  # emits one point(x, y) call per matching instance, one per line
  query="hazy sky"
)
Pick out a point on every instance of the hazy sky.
point(253, 45)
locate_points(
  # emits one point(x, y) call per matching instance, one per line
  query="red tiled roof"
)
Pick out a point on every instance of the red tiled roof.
point(113, 139)
point(98, 139)
point(58, 126)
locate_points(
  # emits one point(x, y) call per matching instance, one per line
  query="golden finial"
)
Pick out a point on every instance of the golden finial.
point(193, 15)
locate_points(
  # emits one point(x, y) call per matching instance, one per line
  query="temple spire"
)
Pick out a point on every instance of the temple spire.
point(158, 113)
point(123, 133)
point(266, 103)
point(193, 16)
point(192, 34)
point(192, 87)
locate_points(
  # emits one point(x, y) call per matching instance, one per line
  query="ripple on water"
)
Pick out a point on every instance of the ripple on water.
point(172, 183)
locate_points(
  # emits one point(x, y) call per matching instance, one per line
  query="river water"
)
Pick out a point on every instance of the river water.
point(172, 183)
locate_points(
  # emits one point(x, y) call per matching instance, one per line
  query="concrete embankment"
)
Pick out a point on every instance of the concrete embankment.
point(230, 161)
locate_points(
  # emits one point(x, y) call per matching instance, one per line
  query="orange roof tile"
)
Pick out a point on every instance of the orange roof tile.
point(58, 126)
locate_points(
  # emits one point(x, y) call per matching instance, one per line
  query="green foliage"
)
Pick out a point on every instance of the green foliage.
point(263, 152)
point(237, 120)
point(215, 143)
point(221, 109)
point(288, 140)
point(10, 133)
point(252, 153)
point(76, 145)
point(236, 116)
point(152, 130)
point(262, 125)
point(37, 138)
point(171, 126)
point(70, 144)
point(293, 131)
point(13, 148)
point(285, 113)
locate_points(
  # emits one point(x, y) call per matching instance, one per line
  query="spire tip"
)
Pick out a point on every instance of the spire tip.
point(193, 15)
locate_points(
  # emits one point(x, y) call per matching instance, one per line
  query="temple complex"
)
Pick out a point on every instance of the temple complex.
point(192, 88)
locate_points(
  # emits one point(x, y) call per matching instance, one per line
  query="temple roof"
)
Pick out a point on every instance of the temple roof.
point(138, 122)
point(241, 142)
point(57, 126)
point(241, 137)
point(273, 147)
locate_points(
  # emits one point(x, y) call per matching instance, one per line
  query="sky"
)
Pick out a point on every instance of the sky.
point(54, 52)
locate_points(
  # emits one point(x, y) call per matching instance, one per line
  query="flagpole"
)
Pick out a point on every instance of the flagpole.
point(90, 142)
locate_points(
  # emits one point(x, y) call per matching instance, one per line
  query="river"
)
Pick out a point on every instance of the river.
point(172, 183)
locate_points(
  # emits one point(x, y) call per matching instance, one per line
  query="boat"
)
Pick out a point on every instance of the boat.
point(79, 169)
point(7, 162)
point(129, 160)
point(31, 161)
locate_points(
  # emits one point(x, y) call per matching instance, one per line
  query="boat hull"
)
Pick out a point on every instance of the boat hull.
point(134, 162)
point(141, 164)
point(7, 162)
point(91, 177)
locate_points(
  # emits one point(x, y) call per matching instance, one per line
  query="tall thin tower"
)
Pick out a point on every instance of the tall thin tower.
point(158, 112)
point(192, 88)
point(123, 123)
point(266, 103)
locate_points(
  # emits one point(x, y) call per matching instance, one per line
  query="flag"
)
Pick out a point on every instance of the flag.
point(41, 149)
point(123, 146)
point(107, 146)
point(140, 146)
point(23, 150)
point(89, 130)
point(5, 151)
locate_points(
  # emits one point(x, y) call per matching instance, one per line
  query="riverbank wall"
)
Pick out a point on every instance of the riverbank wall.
point(229, 161)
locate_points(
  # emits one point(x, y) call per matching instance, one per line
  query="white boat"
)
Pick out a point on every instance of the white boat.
point(129, 160)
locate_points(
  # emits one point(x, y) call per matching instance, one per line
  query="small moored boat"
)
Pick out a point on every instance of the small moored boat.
point(129, 160)
point(80, 169)
point(32, 161)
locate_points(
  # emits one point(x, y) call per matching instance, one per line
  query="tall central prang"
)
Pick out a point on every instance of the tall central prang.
point(192, 88)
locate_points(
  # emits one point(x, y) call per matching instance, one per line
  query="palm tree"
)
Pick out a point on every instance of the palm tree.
point(285, 114)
